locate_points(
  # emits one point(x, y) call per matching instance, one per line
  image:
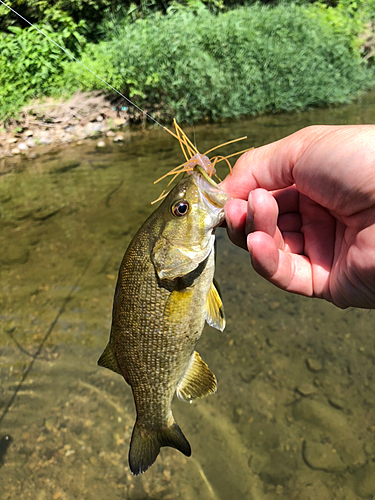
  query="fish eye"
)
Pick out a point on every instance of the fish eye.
point(180, 208)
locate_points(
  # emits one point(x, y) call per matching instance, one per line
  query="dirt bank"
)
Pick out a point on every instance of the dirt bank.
point(58, 122)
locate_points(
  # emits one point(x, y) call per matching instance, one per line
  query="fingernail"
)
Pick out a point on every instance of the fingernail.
point(249, 223)
point(227, 220)
point(248, 244)
point(250, 210)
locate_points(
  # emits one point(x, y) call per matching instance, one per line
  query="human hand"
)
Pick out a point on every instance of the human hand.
point(304, 207)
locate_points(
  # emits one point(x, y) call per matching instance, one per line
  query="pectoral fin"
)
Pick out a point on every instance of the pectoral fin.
point(198, 380)
point(214, 311)
point(108, 359)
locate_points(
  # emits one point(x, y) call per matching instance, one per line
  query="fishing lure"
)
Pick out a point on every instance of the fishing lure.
point(193, 157)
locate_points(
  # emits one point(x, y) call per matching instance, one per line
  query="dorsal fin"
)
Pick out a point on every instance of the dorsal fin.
point(198, 380)
point(214, 311)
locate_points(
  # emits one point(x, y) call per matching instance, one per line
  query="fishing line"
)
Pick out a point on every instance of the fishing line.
point(86, 67)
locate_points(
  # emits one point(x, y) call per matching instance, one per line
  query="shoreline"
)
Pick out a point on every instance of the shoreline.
point(86, 115)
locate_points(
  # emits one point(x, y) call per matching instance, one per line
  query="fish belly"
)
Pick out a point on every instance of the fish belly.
point(158, 337)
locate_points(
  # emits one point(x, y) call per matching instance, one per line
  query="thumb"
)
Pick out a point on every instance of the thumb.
point(271, 166)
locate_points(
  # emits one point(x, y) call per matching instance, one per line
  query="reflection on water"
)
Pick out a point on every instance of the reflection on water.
point(294, 413)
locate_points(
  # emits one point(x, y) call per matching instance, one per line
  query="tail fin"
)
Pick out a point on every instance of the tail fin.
point(145, 446)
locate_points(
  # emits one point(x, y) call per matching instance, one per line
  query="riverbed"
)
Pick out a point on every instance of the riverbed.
point(293, 417)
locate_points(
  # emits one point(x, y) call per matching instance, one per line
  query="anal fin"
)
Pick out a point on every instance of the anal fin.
point(214, 311)
point(198, 380)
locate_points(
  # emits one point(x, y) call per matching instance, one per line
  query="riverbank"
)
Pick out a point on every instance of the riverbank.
point(242, 62)
point(52, 122)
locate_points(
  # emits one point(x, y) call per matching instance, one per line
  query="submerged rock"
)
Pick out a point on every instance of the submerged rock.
point(279, 469)
point(44, 214)
point(66, 166)
point(322, 416)
point(12, 254)
point(365, 477)
point(328, 425)
point(306, 389)
point(314, 365)
point(323, 457)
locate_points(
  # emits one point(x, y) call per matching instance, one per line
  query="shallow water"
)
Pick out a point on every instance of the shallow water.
point(294, 413)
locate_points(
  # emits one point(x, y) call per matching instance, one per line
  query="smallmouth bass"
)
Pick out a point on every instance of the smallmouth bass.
point(164, 293)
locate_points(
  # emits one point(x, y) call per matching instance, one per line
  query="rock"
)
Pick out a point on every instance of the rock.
point(100, 144)
point(66, 138)
point(24, 214)
point(99, 118)
point(30, 143)
point(22, 146)
point(313, 365)
point(321, 415)
point(110, 133)
point(365, 486)
point(279, 469)
point(118, 138)
point(315, 490)
point(274, 305)
point(326, 422)
point(45, 141)
point(12, 140)
point(323, 457)
point(28, 133)
point(306, 389)
point(44, 213)
point(15, 151)
point(94, 127)
point(66, 166)
point(336, 403)
point(14, 254)
point(119, 121)
point(49, 424)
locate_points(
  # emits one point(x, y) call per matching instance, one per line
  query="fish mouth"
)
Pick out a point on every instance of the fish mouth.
point(212, 195)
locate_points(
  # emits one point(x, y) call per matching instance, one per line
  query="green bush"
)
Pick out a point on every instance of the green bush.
point(93, 12)
point(29, 63)
point(246, 61)
point(45, 11)
point(193, 65)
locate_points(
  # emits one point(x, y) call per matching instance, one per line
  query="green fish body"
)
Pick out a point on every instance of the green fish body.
point(165, 291)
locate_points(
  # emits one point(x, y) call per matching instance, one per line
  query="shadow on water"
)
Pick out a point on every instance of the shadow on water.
point(294, 415)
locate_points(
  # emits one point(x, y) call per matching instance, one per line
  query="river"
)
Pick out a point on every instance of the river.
point(293, 417)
